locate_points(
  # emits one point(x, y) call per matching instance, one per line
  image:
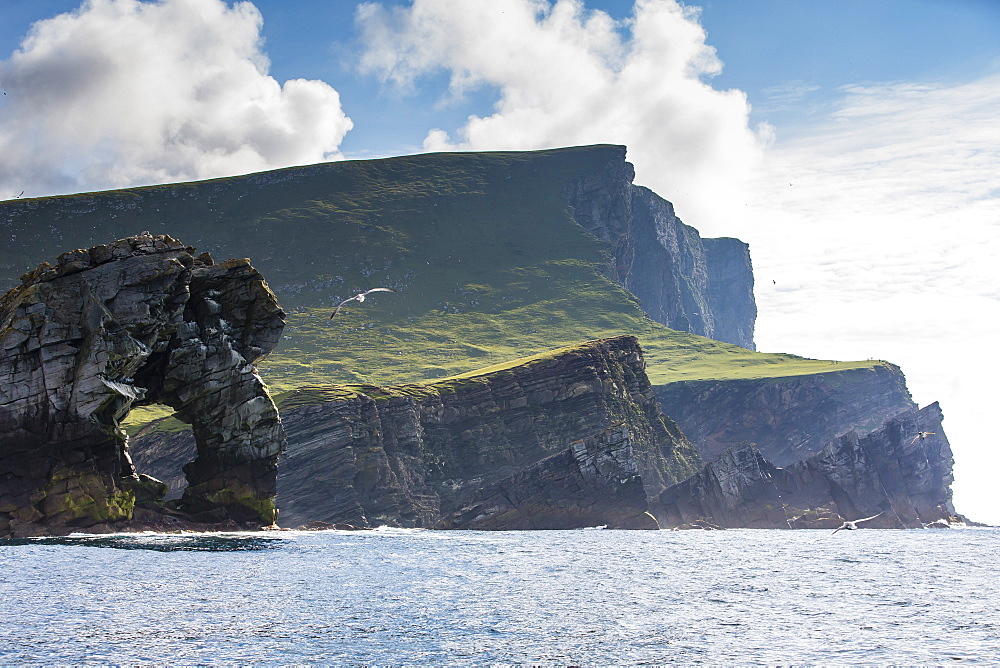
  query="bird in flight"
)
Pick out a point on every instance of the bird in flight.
point(921, 435)
point(360, 297)
point(124, 389)
point(851, 525)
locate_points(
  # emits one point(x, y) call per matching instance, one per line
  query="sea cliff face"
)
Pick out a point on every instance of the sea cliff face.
point(567, 440)
point(389, 220)
point(138, 321)
point(788, 419)
point(493, 255)
point(899, 475)
point(702, 286)
point(809, 451)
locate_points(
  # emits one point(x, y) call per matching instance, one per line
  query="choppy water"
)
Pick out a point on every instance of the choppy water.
point(561, 597)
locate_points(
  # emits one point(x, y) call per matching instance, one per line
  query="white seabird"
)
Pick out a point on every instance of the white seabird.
point(128, 391)
point(921, 435)
point(851, 525)
point(360, 297)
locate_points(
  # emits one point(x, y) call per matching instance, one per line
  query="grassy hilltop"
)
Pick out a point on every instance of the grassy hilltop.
point(488, 263)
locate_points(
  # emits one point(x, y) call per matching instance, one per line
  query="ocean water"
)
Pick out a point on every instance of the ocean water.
point(585, 597)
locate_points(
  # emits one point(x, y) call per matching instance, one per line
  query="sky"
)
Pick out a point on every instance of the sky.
point(853, 144)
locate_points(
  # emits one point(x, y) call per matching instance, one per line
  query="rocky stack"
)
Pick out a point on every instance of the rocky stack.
point(135, 322)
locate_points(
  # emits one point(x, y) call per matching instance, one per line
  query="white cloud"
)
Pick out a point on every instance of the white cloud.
point(876, 234)
point(123, 92)
point(790, 96)
point(566, 76)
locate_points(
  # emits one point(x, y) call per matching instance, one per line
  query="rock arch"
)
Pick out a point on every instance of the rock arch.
point(136, 322)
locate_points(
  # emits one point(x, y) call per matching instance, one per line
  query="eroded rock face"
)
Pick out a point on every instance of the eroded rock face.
point(901, 472)
point(570, 440)
point(789, 419)
point(702, 286)
point(135, 322)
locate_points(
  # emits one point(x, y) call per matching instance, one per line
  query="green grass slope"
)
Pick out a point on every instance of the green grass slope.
point(488, 264)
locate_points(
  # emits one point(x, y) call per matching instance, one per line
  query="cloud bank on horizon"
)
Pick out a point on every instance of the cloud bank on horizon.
point(876, 234)
point(121, 93)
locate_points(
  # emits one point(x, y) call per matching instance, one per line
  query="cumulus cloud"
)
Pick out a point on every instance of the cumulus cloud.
point(565, 75)
point(126, 92)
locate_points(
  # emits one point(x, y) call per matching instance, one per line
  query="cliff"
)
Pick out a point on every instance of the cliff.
point(787, 418)
point(569, 439)
point(487, 250)
point(135, 322)
point(786, 452)
point(900, 474)
point(702, 286)
point(494, 256)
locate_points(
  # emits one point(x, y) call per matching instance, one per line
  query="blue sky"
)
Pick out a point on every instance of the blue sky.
point(768, 47)
point(852, 143)
point(790, 56)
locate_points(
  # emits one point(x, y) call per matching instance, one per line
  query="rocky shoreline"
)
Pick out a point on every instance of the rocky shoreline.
point(568, 438)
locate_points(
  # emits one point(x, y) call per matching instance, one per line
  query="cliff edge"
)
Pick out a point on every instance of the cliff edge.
point(787, 418)
point(899, 475)
point(702, 286)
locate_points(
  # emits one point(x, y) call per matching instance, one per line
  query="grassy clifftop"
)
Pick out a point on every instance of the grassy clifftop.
point(488, 263)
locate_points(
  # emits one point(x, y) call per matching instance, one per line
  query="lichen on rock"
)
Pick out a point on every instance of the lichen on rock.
point(138, 321)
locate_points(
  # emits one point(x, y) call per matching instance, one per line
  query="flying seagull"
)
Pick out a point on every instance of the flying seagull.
point(851, 525)
point(128, 391)
point(921, 435)
point(360, 297)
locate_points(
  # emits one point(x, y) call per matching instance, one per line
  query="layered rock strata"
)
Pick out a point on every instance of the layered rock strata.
point(900, 473)
point(566, 440)
point(790, 418)
point(702, 286)
point(139, 321)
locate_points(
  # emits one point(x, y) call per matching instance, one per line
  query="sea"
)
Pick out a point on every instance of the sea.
point(422, 597)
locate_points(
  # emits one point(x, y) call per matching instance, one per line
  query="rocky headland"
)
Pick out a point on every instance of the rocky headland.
point(787, 418)
point(139, 321)
point(570, 439)
point(294, 221)
point(494, 256)
point(899, 474)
